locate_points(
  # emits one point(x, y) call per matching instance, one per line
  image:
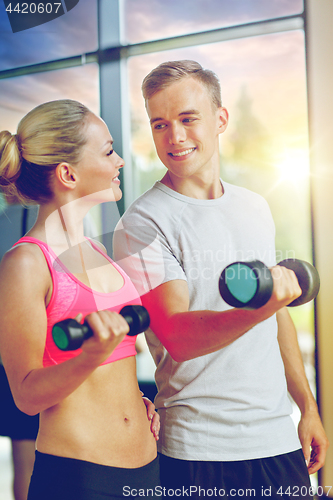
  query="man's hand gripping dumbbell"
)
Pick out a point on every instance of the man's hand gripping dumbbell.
point(249, 285)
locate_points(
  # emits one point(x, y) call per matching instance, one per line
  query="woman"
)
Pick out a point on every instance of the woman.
point(94, 437)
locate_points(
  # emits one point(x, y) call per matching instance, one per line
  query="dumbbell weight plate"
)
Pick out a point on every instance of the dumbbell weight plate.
point(308, 279)
point(246, 285)
point(137, 318)
point(77, 331)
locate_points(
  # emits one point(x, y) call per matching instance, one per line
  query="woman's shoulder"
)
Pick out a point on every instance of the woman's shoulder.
point(24, 260)
point(25, 278)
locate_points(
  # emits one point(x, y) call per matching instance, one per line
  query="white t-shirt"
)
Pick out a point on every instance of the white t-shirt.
point(231, 404)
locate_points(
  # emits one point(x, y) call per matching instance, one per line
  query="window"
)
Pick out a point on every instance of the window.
point(72, 34)
point(155, 19)
point(19, 95)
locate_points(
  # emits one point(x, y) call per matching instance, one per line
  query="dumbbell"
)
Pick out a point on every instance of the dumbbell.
point(249, 285)
point(69, 335)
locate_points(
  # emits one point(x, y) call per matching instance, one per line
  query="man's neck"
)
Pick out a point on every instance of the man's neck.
point(194, 187)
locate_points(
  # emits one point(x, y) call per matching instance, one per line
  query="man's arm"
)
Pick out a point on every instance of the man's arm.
point(146, 255)
point(189, 334)
point(310, 430)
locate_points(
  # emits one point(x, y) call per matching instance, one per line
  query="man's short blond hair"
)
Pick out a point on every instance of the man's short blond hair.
point(171, 72)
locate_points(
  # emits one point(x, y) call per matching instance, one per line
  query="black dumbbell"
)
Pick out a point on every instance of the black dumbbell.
point(69, 335)
point(249, 285)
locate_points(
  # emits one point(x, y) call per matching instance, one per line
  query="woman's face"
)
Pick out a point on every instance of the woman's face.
point(98, 169)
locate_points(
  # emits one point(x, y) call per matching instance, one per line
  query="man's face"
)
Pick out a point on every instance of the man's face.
point(185, 128)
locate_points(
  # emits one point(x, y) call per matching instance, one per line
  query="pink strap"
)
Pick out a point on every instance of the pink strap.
point(47, 252)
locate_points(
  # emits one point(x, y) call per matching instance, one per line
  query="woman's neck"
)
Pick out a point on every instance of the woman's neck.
point(61, 227)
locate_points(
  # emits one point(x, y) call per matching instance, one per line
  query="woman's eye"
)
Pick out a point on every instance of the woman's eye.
point(110, 152)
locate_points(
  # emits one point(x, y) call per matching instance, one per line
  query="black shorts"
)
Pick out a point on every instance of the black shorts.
point(280, 477)
point(59, 478)
point(14, 423)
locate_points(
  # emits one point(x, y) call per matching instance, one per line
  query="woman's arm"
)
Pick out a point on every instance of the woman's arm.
point(25, 284)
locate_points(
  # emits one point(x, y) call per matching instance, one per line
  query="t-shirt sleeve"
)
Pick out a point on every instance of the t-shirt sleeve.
point(143, 250)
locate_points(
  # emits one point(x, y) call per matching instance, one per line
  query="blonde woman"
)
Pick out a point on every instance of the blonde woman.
point(95, 440)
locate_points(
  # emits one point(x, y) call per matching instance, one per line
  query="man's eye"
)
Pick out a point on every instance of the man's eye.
point(110, 152)
point(159, 126)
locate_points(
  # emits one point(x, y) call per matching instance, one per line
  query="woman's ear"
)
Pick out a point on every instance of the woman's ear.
point(66, 175)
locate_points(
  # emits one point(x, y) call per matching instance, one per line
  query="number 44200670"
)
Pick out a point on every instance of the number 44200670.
point(34, 8)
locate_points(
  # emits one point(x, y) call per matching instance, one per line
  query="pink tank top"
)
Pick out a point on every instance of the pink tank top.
point(71, 297)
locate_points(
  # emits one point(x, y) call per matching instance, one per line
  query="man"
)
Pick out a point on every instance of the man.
point(222, 374)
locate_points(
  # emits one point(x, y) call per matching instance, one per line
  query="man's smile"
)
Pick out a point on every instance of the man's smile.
point(181, 153)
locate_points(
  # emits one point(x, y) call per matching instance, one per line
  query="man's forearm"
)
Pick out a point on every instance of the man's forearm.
point(187, 335)
point(297, 382)
point(310, 429)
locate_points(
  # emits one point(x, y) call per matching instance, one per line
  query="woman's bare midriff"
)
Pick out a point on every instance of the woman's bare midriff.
point(104, 421)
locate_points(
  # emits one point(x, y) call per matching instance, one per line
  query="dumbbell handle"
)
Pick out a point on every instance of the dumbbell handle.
point(69, 334)
point(250, 284)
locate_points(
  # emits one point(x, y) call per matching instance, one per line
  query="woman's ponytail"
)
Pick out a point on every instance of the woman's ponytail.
point(10, 163)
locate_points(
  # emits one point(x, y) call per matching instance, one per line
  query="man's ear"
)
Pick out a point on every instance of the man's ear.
point(223, 118)
point(66, 175)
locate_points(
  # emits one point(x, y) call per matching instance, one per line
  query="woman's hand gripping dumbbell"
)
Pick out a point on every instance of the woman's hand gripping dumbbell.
point(249, 285)
point(69, 335)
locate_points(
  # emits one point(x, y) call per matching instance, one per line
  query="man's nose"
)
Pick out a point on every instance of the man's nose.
point(177, 134)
